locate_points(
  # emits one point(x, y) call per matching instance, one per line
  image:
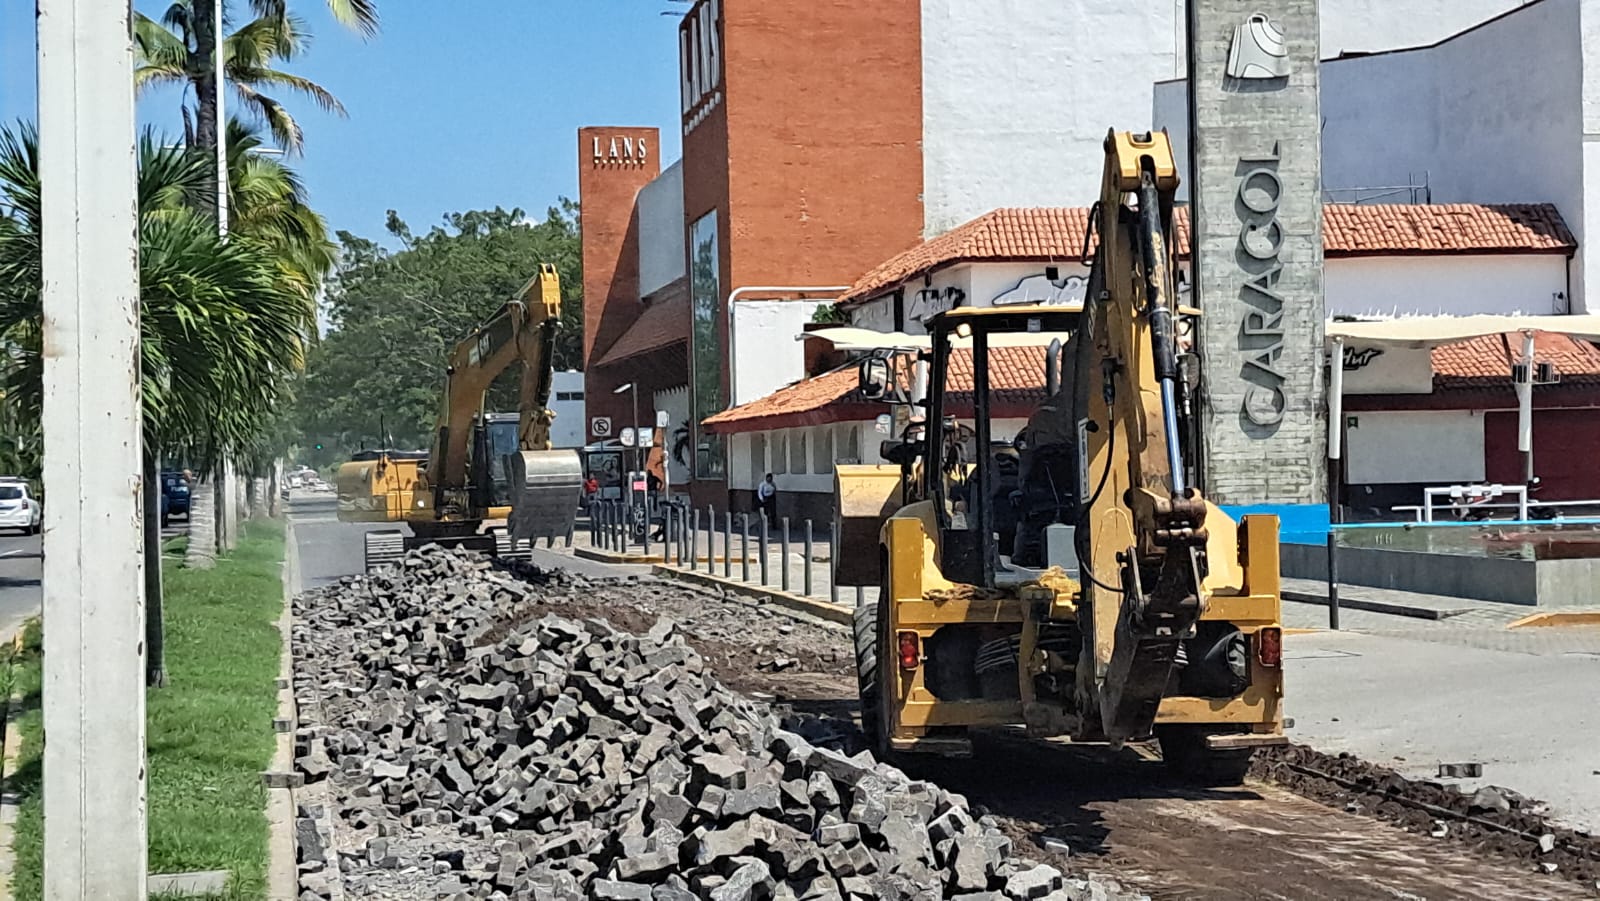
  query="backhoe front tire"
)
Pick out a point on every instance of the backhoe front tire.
point(864, 623)
point(1184, 751)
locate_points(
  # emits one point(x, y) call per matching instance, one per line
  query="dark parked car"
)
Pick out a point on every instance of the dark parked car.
point(174, 496)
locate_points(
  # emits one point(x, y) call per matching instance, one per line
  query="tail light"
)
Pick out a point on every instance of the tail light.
point(1269, 646)
point(910, 650)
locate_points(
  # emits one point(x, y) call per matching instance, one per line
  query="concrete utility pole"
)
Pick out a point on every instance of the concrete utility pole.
point(94, 788)
point(228, 534)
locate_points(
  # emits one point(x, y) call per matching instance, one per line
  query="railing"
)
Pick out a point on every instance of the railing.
point(687, 538)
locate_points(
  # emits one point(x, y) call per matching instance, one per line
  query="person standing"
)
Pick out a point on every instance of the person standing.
point(767, 498)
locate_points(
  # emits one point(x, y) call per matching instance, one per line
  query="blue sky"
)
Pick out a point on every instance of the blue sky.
point(458, 104)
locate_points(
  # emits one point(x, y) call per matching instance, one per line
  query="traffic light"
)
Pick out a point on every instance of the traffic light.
point(319, 447)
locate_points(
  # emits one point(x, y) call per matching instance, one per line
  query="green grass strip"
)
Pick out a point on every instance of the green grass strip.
point(208, 732)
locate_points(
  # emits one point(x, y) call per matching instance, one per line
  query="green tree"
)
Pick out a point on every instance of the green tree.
point(178, 51)
point(222, 328)
point(376, 377)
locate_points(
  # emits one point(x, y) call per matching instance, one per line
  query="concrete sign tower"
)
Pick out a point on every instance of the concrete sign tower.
point(1255, 145)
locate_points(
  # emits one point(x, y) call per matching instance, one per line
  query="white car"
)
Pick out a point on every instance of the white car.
point(18, 507)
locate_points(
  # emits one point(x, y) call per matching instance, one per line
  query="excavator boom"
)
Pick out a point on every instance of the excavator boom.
point(454, 492)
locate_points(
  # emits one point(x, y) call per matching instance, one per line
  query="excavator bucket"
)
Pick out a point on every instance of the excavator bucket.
point(545, 489)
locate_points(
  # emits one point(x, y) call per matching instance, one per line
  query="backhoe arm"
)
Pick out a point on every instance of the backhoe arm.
point(1145, 523)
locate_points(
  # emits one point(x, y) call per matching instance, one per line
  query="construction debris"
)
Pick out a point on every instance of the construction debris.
point(472, 745)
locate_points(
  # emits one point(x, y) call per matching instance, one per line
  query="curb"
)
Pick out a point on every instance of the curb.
point(8, 769)
point(1321, 600)
point(834, 613)
point(283, 883)
point(611, 557)
point(1556, 619)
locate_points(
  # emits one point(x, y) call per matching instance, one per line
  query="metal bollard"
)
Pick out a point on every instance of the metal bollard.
point(783, 555)
point(765, 546)
point(711, 539)
point(744, 547)
point(605, 525)
point(806, 567)
point(682, 519)
point(727, 545)
point(861, 595)
point(833, 569)
point(644, 534)
point(694, 538)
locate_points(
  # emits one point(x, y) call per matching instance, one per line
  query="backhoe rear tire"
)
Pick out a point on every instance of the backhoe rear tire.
point(864, 623)
point(1183, 749)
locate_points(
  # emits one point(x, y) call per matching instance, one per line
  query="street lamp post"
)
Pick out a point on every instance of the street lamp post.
point(633, 387)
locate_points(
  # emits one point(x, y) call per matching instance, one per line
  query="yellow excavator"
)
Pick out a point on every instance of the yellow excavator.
point(1073, 580)
point(484, 467)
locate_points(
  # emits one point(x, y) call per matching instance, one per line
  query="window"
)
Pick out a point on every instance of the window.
point(797, 452)
point(569, 395)
point(758, 456)
point(850, 444)
point(10, 493)
point(822, 451)
point(705, 355)
point(780, 452)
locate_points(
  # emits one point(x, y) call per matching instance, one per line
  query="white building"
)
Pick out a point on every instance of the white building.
point(1505, 111)
point(1052, 76)
point(1444, 413)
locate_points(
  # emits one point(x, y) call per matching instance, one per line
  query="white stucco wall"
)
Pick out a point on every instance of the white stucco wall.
point(1017, 98)
point(566, 401)
point(661, 234)
point(766, 353)
point(1436, 447)
point(1445, 285)
point(1470, 114)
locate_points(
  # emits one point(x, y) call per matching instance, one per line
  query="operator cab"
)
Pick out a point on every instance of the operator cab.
point(992, 506)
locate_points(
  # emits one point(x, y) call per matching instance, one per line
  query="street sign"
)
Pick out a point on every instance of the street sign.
point(647, 437)
point(627, 437)
point(663, 419)
point(600, 426)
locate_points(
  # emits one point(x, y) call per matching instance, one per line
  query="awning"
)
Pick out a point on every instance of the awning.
point(847, 338)
point(1433, 331)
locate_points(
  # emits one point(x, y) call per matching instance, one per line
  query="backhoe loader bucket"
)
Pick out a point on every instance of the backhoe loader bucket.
point(545, 489)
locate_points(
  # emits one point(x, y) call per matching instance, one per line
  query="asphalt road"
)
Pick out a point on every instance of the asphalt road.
point(329, 549)
point(20, 568)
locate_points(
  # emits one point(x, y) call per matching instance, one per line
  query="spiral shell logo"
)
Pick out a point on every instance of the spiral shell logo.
point(1258, 52)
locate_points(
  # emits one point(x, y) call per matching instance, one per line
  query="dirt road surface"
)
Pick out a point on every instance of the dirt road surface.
point(1117, 812)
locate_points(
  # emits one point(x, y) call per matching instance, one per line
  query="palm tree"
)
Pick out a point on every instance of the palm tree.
point(222, 330)
point(178, 50)
point(268, 203)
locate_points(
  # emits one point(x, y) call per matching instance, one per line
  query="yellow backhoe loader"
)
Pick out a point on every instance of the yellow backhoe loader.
point(1072, 580)
point(483, 467)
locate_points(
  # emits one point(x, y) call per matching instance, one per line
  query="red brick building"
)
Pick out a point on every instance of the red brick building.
point(795, 182)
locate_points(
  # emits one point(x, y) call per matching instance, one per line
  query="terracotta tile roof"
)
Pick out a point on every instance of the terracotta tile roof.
point(1016, 376)
point(1390, 229)
point(1056, 234)
point(802, 397)
point(1485, 363)
point(662, 324)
